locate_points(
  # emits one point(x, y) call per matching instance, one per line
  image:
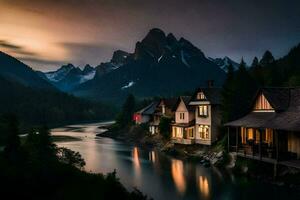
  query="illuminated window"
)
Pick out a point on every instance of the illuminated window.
point(163, 108)
point(250, 134)
point(203, 111)
point(203, 131)
point(200, 96)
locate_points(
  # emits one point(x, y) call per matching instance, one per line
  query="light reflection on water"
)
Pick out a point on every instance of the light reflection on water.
point(153, 173)
point(178, 175)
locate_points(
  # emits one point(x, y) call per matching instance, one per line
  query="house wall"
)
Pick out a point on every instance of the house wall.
point(182, 109)
point(215, 123)
point(294, 143)
point(203, 121)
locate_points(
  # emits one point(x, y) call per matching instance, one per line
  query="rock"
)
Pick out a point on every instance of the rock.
point(220, 154)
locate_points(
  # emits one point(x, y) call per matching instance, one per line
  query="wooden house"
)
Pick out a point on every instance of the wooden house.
point(206, 103)
point(271, 130)
point(183, 129)
point(164, 108)
point(145, 114)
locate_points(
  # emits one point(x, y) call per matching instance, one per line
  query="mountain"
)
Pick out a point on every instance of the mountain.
point(224, 62)
point(39, 106)
point(68, 76)
point(13, 69)
point(119, 59)
point(160, 65)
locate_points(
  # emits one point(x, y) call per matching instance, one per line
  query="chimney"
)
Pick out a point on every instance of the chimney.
point(210, 83)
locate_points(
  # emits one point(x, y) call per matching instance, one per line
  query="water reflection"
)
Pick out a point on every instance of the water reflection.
point(203, 186)
point(136, 166)
point(152, 156)
point(158, 175)
point(178, 175)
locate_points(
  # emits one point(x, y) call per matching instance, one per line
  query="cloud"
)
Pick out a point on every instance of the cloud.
point(93, 53)
point(6, 44)
point(15, 49)
point(42, 64)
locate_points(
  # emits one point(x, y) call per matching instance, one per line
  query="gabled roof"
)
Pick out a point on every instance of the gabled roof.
point(148, 110)
point(287, 119)
point(279, 98)
point(170, 102)
point(186, 100)
point(212, 94)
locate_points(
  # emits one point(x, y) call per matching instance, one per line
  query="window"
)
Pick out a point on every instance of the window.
point(203, 111)
point(250, 134)
point(163, 108)
point(190, 132)
point(200, 96)
point(178, 132)
point(181, 115)
point(203, 131)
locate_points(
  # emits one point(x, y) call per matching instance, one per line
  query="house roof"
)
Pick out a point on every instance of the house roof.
point(170, 102)
point(253, 120)
point(286, 115)
point(186, 100)
point(191, 123)
point(148, 110)
point(212, 94)
point(279, 98)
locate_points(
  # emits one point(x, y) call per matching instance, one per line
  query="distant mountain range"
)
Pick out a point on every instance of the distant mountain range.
point(68, 76)
point(13, 69)
point(160, 65)
point(223, 63)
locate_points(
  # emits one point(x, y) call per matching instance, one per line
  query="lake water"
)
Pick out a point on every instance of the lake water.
point(161, 176)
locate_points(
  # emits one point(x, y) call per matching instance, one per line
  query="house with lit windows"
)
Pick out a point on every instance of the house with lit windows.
point(145, 114)
point(183, 128)
point(206, 105)
point(164, 108)
point(270, 132)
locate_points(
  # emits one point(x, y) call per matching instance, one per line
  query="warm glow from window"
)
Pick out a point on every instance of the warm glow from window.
point(262, 103)
point(250, 133)
point(177, 132)
point(200, 96)
point(203, 111)
point(203, 131)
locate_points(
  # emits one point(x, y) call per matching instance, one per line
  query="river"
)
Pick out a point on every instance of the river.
point(158, 175)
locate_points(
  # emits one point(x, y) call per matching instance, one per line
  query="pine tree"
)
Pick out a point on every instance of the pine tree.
point(254, 62)
point(258, 72)
point(125, 117)
point(243, 89)
point(267, 59)
point(228, 94)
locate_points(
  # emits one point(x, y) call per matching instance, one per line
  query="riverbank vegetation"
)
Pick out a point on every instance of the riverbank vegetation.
point(37, 169)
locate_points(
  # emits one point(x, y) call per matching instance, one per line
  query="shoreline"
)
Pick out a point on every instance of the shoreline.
point(207, 156)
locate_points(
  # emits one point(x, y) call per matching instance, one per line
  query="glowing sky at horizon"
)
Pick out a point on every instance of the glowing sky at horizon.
point(47, 33)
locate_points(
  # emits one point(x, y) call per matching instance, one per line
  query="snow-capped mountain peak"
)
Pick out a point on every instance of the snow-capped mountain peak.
point(61, 73)
point(223, 63)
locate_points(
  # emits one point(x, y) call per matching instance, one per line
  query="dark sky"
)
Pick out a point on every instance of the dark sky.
point(47, 33)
